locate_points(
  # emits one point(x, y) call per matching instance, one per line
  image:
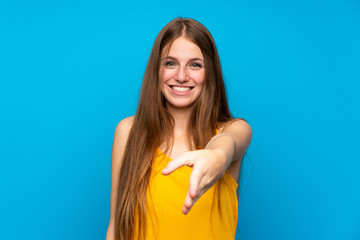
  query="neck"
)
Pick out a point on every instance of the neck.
point(181, 117)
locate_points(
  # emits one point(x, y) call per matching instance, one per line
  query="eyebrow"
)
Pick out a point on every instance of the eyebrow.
point(191, 59)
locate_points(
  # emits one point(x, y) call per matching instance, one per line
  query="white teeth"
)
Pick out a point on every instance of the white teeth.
point(181, 89)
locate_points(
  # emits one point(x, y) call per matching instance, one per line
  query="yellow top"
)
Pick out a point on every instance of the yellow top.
point(165, 199)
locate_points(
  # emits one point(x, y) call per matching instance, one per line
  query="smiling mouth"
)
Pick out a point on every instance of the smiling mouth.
point(180, 89)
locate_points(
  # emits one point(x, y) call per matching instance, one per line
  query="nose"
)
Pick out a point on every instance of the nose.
point(181, 75)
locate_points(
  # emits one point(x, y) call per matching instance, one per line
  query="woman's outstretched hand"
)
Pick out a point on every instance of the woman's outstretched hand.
point(208, 165)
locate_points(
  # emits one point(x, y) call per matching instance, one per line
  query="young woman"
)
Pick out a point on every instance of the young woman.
point(175, 164)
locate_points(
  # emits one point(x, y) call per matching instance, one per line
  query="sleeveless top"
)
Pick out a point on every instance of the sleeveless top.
point(207, 218)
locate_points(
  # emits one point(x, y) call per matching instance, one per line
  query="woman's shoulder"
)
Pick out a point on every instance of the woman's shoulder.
point(123, 128)
point(126, 123)
point(238, 123)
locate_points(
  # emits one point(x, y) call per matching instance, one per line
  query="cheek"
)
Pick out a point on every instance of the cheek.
point(198, 77)
point(165, 75)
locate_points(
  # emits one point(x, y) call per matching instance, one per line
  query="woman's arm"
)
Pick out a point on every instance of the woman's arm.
point(223, 150)
point(233, 141)
point(120, 138)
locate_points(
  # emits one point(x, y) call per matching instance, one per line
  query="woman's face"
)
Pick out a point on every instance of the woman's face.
point(182, 73)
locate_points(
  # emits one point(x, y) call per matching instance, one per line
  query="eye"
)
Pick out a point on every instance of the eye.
point(195, 65)
point(170, 64)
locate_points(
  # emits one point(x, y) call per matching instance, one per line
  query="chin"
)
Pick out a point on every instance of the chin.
point(180, 105)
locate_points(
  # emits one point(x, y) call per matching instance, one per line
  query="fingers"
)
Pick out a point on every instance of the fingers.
point(191, 196)
point(193, 183)
point(188, 204)
point(197, 179)
point(174, 164)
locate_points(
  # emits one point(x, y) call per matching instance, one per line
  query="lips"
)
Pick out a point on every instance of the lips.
point(181, 88)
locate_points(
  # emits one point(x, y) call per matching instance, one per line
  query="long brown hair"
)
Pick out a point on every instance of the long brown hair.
point(153, 124)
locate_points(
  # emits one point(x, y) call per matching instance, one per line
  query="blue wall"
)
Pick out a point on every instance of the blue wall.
point(71, 70)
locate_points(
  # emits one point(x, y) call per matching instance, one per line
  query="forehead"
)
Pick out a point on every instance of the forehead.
point(182, 48)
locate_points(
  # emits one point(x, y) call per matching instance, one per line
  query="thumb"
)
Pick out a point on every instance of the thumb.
point(191, 195)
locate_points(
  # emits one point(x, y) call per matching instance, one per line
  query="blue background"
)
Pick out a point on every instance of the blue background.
point(71, 70)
